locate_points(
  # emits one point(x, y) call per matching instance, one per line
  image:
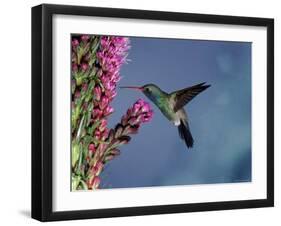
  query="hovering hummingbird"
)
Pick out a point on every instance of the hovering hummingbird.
point(172, 105)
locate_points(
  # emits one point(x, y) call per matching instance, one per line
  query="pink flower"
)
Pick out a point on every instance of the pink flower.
point(74, 67)
point(104, 41)
point(105, 134)
point(108, 110)
point(115, 77)
point(97, 113)
point(97, 93)
point(105, 81)
point(85, 38)
point(112, 55)
point(92, 148)
point(74, 43)
point(94, 182)
point(96, 170)
point(111, 93)
point(140, 112)
point(84, 67)
point(136, 108)
point(84, 87)
point(103, 102)
point(103, 124)
point(77, 94)
point(147, 117)
point(97, 134)
point(115, 152)
point(145, 108)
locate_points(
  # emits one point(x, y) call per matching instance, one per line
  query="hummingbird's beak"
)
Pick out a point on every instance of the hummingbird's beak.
point(132, 87)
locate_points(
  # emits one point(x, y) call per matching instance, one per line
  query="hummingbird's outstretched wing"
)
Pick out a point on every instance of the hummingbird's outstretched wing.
point(183, 96)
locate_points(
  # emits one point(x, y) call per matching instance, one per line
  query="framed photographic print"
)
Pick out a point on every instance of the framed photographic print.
point(147, 112)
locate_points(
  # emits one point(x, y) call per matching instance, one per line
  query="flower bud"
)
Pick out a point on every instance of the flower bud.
point(96, 170)
point(84, 67)
point(102, 125)
point(74, 68)
point(103, 102)
point(92, 148)
point(105, 134)
point(74, 43)
point(97, 93)
point(84, 87)
point(97, 134)
point(118, 130)
point(108, 110)
point(97, 113)
point(85, 38)
point(95, 182)
point(115, 152)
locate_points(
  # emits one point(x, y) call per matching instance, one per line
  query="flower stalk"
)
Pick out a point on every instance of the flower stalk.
point(96, 64)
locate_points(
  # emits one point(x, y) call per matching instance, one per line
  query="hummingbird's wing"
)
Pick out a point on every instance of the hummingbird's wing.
point(183, 96)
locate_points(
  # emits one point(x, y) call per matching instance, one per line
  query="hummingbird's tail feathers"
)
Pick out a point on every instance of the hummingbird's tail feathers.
point(185, 133)
point(182, 97)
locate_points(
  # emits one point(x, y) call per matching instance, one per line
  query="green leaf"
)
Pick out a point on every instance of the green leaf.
point(84, 185)
point(93, 72)
point(75, 180)
point(95, 46)
point(93, 127)
point(75, 153)
point(87, 140)
point(79, 80)
point(81, 126)
point(89, 113)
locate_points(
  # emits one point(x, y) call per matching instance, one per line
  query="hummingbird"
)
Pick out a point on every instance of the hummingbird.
point(172, 105)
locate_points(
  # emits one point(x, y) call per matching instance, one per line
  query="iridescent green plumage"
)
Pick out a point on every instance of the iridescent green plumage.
point(171, 105)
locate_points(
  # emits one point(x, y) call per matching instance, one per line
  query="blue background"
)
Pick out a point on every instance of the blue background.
point(220, 117)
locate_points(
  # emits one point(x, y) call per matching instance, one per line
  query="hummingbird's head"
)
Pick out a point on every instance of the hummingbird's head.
point(150, 90)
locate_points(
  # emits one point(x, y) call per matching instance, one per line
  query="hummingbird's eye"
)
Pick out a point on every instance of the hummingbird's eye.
point(147, 89)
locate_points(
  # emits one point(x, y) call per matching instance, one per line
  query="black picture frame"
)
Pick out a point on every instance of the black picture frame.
point(42, 111)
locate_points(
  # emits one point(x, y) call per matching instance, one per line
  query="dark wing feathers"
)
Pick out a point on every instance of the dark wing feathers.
point(185, 134)
point(183, 96)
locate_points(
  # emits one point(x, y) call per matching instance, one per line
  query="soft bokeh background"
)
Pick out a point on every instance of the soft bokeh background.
point(220, 117)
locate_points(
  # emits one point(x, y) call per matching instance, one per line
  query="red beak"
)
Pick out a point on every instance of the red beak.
point(132, 87)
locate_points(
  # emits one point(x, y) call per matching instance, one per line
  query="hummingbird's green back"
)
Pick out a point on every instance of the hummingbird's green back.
point(160, 98)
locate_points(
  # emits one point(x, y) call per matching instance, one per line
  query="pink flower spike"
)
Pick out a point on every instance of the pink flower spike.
point(139, 113)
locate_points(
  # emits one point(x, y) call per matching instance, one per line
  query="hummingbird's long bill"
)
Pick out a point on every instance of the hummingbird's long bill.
point(132, 87)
